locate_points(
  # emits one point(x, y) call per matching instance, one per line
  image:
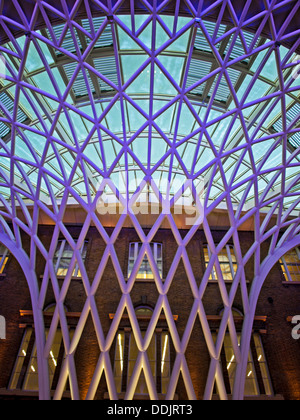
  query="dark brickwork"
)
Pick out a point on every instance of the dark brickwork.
point(277, 302)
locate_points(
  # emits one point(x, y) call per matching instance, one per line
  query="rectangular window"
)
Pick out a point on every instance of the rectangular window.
point(261, 358)
point(227, 260)
point(31, 379)
point(145, 272)
point(20, 362)
point(251, 384)
point(63, 256)
point(290, 265)
point(25, 373)
point(159, 359)
point(31, 382)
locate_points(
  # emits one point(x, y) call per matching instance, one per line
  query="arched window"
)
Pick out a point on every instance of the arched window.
point(126, 354)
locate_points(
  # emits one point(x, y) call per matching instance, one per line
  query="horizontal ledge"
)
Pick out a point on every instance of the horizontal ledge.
point(144, 317)
point(153, 280)
point(62, 277)
point(24, 313)
point(262, 318)
point(140, 397)
point(21, 393)
point(225, 281)
point(291, 318)
point(276, 397)
point(144, 281)
point(291, 283)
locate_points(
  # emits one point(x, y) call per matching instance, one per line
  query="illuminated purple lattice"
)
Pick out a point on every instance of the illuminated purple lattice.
point(181, 101)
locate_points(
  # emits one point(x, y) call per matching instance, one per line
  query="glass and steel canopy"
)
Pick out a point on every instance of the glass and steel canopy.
point(159, 101)
point(172, 99)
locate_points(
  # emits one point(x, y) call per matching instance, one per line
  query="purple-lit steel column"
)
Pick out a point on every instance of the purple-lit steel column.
point(257, 285)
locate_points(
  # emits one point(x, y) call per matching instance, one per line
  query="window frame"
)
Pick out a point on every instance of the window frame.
point(132, 360)
point(251, 371)
point(20, 360)
point(119, 359)
point(165, 362)
point(59, 256)
point(4, 257)
point(285, 266)
point(20, 379)
point(132, 260)
point(257, 360)
point(263, 364)
point(213, 275)
point(160, 361)
point(27, 358)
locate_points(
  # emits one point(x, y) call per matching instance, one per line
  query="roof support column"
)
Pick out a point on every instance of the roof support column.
point(23, 260)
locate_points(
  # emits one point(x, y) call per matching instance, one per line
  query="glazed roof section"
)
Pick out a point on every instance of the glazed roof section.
point(256, 13)
point(188, 63)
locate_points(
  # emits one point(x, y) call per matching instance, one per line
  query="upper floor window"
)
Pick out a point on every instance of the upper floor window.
point(290, 265)
point(145, 272)
point(63, 256)
point(227, 260)
point(4, 255)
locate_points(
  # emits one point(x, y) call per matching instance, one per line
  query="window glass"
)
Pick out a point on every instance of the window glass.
point(165, 362)
point(251, 383)
point(141, 388)
point(145, 271)
point(31, 378)
point(14, 382)
point(251, 387)
point(119, 361)
point(25, 374)
point(290, 265)
point(261, 358)
point(4, 255)
point(63, 257)
point(227, 260)
point(158, 355)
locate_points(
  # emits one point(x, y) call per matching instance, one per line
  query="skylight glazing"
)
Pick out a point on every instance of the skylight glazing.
point(190, 93)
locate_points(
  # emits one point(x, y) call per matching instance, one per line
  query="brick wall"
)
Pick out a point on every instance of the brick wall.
point(277, 302)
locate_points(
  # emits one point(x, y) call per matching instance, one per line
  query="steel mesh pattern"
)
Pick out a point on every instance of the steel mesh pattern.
point(206, 112)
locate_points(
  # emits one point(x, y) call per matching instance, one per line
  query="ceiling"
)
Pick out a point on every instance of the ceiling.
point(150, 101)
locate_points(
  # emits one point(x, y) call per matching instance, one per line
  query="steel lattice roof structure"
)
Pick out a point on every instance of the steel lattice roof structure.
point(180, 101)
